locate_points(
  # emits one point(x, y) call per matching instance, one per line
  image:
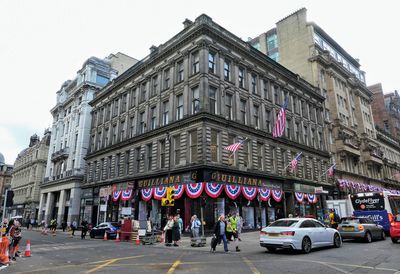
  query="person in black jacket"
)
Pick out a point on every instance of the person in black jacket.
point(220, 232)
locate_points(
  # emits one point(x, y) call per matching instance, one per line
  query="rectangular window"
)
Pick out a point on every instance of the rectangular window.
point(162, 153)
point(273, 158)
point(214, 145)
point(124, 102)
point(246, 154)
point(149, 156)
point(320, 140)
point(114, 134)
point(138, 158)
point(312, 137)
point(179, 107)
point(195, 100)
point(153, 114)
point(211, 62)
point(267, 95)
point(165, 112)
point(101, 115)
point(276, 95)
point(213, 99)
point(127, 162)
point(288, 130)
point(102, 169)
point(116, 108)
point(227, 70)
point(260, 154)
point(295, 110)
point(154, 88)
point(143, 93)
point(241, 77)
point(132, 98)
point(268, 120)
point(122, 130)
point(243, 111)
point(256, 116)
point(142, 123)
point(117, 164)
point(131, 126)
point(105, 136)
point(167, 78)
point(254, 84)
point(305, 135)
point(193, 146)
point(228, 106)
point(297, 132)
point(179, 70)
point(94, 174)
point(195, 62)
point(177, 149)
point(109, 160)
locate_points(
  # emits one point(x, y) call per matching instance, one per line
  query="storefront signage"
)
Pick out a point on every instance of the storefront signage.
point(304, 188)
point(105, 191)
point(103, 208)
point(126, 211)
point(87, 193)
point(173, 179)
point(225, 178)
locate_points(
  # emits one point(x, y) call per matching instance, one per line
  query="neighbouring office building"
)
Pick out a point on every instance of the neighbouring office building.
point(167, 119)
point(5, 180)
point(61, 189)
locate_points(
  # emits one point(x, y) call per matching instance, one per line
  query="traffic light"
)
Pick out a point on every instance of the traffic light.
point(203, 201)
point(164, 202)
point(10, 196)
point(171, 196)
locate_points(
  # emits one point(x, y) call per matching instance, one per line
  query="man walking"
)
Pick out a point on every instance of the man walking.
point(84, 229)
point(195, 227)
point(220, 232)
point(233, 223)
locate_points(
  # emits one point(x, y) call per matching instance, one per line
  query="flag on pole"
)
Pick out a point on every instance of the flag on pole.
point(236, 146)
point(279, 127)
point(294, 162)
point(331, 170)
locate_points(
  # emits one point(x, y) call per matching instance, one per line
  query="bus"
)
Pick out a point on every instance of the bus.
point(379, 206)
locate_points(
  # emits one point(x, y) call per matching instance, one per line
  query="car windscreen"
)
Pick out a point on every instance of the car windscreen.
point(285, 223)
point(350, 221)
point(115, 224)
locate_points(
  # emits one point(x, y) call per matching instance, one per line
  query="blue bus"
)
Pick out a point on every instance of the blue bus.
point(379, 206)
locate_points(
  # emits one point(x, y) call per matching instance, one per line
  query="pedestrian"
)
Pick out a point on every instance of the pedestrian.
point(233, 225)
point(195, 227)
point(168, 231)
point(220, 232)
point(176, 234)
point(229, 229)
point(180, 222)
point(74, 226)
point(17, 235)
point(63, 226)
point(239, 225)
point(27, 222)
point(333, 218)
point(84, 229)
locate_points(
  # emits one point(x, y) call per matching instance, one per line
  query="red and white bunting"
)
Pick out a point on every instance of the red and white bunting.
point(116, 195)
point(249, 192)
point(233, 191)
point(126, 194)
point(179, 189)
point(299, 196)
point(159, 192)
point(277, 194)
point(265, 193)
point(146, 193)
point(194, 190)
point(214, 189)
point(312, 198)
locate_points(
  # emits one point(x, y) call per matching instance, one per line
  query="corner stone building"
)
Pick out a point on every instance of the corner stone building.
point(5, 179)
point(28, 174)
point(174, 112)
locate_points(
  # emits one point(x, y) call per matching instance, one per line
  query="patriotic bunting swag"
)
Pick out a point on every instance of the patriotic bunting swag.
point(362, 187)
point(299, 196)
point(116, 195)
point(179, 189)
point(249, 192)
point(194, 190)
point(312, 198)
point(159, 192)
point(233, 191)
point(265, 193)
point(214, 189)
point(146, 193)
point(277, 195)
point(126, 195)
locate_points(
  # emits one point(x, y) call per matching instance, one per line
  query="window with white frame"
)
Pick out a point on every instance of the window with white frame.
point(195, 62)
point(228, 106)
point(195, 100)
point(213, 99)
point(211, 62)
point(179, 107)
point(165, 114)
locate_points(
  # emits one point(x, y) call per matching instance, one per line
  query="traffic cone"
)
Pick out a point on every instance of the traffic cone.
point(117, 238)
point(137, 239)
point(28, 249)
point(105, 236)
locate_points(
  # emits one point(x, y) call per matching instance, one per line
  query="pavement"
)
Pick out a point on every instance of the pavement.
point(62, 254)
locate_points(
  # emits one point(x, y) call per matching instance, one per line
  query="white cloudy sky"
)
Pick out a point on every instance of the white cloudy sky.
point(44, 43)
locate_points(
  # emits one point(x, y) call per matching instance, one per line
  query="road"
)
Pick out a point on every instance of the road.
point(62, 254)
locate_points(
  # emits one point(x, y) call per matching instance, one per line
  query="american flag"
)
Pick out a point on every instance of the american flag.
point(236, 146)
point(331, 170)
point(294, 162)
point(279, 127)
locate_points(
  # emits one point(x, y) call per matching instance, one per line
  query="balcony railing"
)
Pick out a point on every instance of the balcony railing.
point(65, 174)
point(61, 154)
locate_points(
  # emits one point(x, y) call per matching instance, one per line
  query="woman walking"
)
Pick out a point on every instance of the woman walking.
point(220, 232)
point(168, 231)
point(176, 234)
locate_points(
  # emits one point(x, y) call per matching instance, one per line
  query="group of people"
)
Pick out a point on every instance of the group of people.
point(173, 230)
point(64, 225)
point(10, 240)
point(226, 228)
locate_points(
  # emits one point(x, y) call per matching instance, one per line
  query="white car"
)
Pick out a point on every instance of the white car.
point(298, 234)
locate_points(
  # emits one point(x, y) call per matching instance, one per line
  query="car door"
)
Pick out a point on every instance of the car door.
point(375, 230)
point(308, 228)
point(100, 229)
point(321, 234)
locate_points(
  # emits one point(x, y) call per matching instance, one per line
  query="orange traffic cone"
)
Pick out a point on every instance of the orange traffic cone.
point(117, 238)
point(105, 236)
point(28, 249)
point(137, 239)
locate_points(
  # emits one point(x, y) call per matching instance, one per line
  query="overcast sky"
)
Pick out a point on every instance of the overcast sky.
point(44, 43)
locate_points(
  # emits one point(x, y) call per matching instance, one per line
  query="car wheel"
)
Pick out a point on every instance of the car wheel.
point(383, 235)
point(394, 240)
point(368, 237)
point(271, 249)
point(337, 242)
point(306, 245)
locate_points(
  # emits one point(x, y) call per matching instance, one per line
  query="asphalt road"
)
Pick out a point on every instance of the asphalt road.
point(62, 254)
